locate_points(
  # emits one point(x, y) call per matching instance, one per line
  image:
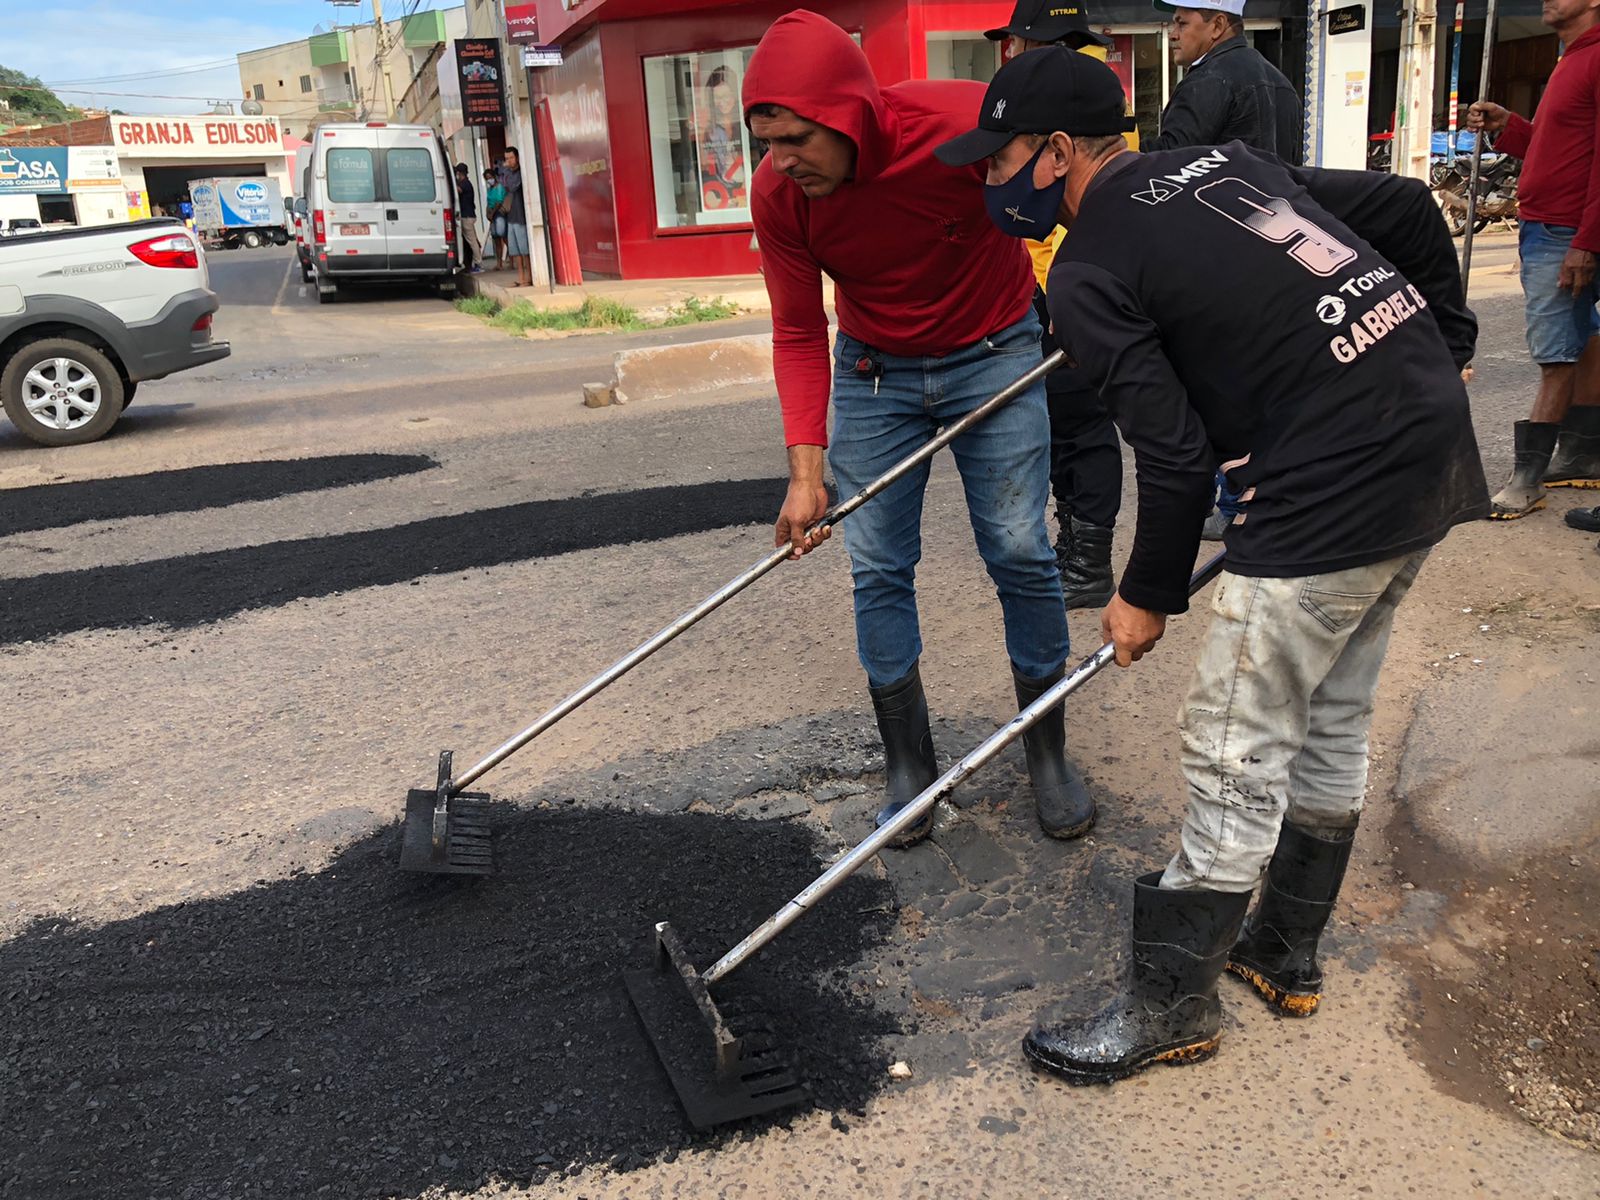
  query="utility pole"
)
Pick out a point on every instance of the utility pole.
point(1413, 138)
point(381, 31)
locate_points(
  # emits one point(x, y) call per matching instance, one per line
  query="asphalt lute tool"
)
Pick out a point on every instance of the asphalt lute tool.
point(722, 1073)
point(446, 830)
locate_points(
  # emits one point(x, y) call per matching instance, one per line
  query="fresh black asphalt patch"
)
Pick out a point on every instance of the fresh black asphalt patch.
point(191, 489)
point(198, 588)
point(360, 1032)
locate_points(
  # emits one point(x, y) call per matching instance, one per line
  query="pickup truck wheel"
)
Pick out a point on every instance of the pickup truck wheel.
point(62, 392)
point(252, 241)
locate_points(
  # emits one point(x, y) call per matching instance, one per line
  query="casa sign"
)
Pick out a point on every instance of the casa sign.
point(197, 137)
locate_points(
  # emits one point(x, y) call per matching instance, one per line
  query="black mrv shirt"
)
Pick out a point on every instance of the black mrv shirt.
point(1304, 329)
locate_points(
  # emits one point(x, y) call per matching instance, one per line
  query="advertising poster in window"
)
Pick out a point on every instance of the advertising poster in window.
point(701, 153)
point(482, 93)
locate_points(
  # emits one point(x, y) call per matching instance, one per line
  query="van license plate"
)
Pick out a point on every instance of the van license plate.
point(355, 230)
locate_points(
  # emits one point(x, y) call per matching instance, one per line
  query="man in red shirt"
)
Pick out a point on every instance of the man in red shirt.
point(1558, 197)
point(935, 316)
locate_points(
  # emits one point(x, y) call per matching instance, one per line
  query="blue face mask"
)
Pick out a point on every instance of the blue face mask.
point(1022, 210)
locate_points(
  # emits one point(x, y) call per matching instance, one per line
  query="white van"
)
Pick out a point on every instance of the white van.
point(381, 205)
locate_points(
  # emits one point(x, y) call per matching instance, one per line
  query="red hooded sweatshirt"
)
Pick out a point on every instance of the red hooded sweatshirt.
point(919, 268)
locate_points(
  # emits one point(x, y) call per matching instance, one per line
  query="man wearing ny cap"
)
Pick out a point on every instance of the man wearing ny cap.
point(1309, 327)
point(1085, 455)
point(935, 317)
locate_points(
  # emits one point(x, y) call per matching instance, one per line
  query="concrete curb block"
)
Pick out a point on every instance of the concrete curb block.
point(655, 372)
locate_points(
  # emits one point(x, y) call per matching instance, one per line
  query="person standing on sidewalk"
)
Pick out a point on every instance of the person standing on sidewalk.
point(935, 316)
point(515, 206)
point(467, 217)
point(1085, 455)
point(1228, 91)
point(494, 199)
point(1558, 237)
point(1213, 296)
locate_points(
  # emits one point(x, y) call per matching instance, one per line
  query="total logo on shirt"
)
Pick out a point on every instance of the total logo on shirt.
point(1377, 323)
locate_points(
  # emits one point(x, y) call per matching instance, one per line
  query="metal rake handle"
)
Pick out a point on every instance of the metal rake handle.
point(738, 584)
point(852, 861)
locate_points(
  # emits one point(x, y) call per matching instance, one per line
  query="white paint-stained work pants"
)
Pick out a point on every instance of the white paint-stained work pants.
point(1276, 718)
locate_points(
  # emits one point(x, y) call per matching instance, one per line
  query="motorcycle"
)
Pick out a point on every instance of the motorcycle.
point(1497, 193)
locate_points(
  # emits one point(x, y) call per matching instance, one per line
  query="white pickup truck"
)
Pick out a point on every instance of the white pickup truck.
point(88, 314)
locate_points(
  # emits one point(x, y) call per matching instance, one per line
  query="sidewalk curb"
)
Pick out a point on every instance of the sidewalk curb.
point(655, 372)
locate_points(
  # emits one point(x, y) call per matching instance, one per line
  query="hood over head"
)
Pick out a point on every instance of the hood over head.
point(809, 65)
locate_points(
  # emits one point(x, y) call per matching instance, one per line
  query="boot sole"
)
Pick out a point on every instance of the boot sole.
point(1515, 514)
point(1173, 1056)
point(1075, 831)
point(1285, 1000)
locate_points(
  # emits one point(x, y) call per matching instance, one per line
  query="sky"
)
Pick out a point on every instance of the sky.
point(160, 56)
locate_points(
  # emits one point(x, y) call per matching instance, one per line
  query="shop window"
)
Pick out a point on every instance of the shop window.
point(410, 174)
point(350, 176)
point(962, 56)
point(305, 84)
point(701, 155)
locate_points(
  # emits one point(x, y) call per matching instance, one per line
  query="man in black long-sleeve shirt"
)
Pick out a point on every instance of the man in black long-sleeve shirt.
point(1306, 328)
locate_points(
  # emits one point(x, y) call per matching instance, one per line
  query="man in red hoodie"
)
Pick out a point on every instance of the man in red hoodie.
point(935, 316)
point(1558, 197)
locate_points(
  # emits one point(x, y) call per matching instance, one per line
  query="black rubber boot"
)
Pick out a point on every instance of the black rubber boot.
point(1066, 810)
point(1576, 461)
point(1277, 953)
point(1523, 493)
point(1586, 519)
point(909, 765)
point(1168, 1010)
point(1063, 538)
point(1086, 573)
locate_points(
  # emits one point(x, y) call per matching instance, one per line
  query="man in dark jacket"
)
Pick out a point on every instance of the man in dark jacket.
point(1228, 93)
point(1308, 328)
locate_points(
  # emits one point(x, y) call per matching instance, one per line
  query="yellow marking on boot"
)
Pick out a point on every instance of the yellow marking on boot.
point(1294, 1006)
point(1573, 483)
point(1188, 1054)
point(1516, 514)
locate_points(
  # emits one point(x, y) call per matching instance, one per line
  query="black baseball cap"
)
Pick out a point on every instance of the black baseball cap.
point(1049, 21)
point(1043, 91)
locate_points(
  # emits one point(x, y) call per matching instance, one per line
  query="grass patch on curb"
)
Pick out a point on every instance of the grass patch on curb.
point(595, 313)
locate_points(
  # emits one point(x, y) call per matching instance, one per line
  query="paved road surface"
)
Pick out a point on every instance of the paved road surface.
point(152, 765)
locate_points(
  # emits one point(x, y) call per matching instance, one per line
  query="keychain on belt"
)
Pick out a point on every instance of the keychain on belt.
point(871, 364)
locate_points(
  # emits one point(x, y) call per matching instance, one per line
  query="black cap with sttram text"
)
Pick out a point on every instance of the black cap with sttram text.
point(1048, 21)
point(1049, 90)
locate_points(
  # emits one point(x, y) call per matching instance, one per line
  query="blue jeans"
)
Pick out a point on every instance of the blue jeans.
point(1004, 462)
point(1559, 323)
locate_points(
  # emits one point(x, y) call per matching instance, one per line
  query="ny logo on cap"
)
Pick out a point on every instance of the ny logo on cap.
point(999, 109)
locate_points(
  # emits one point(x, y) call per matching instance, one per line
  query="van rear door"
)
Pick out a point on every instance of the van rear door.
point(418, 195)
point(352, 169)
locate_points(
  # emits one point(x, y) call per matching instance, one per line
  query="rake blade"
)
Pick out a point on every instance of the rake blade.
point(446, 834)
point(718, 1074)
point(467, 847)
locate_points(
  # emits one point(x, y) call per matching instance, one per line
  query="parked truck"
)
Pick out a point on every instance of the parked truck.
point(86, 315)
point(239, 211)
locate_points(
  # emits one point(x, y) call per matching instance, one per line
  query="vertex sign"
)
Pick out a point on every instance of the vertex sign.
point(522, 24)
point(197, 137)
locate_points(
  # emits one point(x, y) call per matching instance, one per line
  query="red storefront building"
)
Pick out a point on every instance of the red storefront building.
point(641, 128)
